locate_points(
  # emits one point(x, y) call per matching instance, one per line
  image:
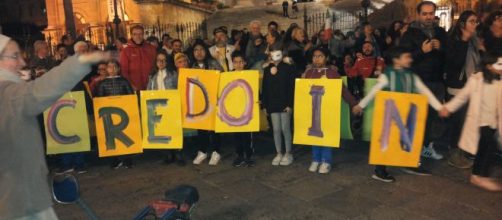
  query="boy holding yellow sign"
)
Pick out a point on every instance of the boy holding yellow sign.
point(398, 78)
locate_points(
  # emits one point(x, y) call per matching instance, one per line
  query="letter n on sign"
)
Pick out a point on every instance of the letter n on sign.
point(398, 129)
point(118, 127)
point(317, 112)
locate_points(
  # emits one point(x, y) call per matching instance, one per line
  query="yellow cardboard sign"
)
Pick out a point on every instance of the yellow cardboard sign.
point(398, 129)
point(161, 119)
point(317, 112)
point(238, 107)
point(117, 125)
point(198, 89)
point(66, 125)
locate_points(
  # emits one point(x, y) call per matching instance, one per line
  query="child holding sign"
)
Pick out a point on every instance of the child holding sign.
point(397, 77)
point(277, 99)
point(243, 142)
point(322, 156)
point(483, 91)
point(114, 85)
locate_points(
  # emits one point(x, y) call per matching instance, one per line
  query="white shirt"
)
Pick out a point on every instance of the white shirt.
point(489, 106)
point(160, 79)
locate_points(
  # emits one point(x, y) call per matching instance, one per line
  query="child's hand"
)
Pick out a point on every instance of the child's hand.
point(357, 110)
point(444, 113)
point(287, 110)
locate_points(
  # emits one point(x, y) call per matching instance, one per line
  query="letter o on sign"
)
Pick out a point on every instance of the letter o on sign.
point(246, 117)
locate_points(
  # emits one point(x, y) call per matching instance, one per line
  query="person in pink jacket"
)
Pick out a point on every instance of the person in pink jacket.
point(137, 59)
point(483, 91)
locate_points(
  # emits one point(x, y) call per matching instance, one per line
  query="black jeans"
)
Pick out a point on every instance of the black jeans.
point(243, 143)
point(456, 124)
point(486, 152)
point(209, 141)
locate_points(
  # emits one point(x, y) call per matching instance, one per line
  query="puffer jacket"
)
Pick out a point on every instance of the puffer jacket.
point(114, 86)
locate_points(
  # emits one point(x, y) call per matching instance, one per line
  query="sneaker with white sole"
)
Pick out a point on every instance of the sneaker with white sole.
point(382, 175)
point(200, 157)
point(314, 166)
point(286, 160)
point(277, 160)
point(430, 152)
point(215, 158)
point(324, 168)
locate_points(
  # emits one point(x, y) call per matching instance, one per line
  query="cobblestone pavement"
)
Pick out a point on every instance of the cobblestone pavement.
point(267, 192)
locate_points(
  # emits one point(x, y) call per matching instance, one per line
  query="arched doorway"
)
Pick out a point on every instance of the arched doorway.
point(81, 25)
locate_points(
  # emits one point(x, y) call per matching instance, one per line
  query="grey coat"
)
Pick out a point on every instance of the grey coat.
point(170, 82)
point(24, 188)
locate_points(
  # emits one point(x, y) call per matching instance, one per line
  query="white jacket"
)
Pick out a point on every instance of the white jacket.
point(472, 93)
point(229, 50)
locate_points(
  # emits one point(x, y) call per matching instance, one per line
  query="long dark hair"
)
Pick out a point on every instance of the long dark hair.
point(200, 42)
point(489, 59)
point(456, 31)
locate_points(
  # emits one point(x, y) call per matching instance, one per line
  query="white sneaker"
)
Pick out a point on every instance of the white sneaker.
point(324, 168)
point(277, 160)
point(430, 152)
point(286, 160)
point(215, 158)
point(314, 166)
point(200, 157)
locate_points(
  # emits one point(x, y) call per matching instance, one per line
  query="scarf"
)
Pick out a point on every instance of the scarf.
point(472, 59)
point(429, 31)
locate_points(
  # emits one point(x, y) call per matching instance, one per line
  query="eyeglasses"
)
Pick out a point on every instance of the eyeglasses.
point(161, 61)
point(473, 21)
point(15, 56)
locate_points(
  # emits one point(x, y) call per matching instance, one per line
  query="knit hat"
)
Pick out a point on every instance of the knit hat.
point(3, 42)
point(179, 55)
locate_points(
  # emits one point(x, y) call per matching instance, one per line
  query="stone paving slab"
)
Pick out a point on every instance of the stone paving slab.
point(268, 192)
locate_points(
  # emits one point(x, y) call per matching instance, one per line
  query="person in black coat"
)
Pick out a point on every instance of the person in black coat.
point(115, 85)
point(427, 41)
point(277, 99)
point(462, 60)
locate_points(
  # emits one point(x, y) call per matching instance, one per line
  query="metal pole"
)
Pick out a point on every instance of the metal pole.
point(116, 20)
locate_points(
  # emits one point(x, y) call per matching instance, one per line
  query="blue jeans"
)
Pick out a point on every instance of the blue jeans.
point(322, 155)
point(72, 160)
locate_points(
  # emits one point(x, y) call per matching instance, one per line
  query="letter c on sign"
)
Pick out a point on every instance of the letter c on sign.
point(52, 126)
point(246, 117)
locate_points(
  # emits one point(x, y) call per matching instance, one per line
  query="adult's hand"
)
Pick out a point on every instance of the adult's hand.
point(427, 46)
point(94, 57)
point(436, 44)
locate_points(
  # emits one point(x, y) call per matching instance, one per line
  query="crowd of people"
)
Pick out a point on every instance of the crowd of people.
point(451, 68)
point(410, 57)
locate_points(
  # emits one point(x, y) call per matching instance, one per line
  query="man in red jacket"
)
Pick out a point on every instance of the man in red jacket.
point(137, 59)
point(366, 66)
